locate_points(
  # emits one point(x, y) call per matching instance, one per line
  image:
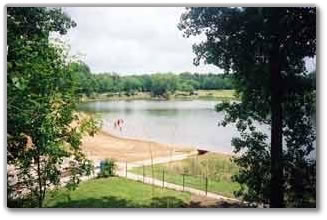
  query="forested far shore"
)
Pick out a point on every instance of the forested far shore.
point(156, 85)
point(110, 85)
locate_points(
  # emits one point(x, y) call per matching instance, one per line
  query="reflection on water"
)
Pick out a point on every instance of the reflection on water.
point(192, 123)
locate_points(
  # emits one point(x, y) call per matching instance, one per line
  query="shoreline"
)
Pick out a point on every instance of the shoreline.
point(145, 140)
point(107, 145)
point(175, 146)
point(218, 95)
point(159, 99)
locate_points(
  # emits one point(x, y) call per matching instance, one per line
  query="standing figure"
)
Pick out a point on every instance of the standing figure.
point(120, 124)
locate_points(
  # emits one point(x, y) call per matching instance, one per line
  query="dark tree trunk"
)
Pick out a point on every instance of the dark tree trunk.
point(276, 194)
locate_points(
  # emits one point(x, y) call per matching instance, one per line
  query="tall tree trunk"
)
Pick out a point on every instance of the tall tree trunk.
point(276, 196)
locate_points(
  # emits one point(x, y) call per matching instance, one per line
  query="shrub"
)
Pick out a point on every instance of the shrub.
point(107, 168)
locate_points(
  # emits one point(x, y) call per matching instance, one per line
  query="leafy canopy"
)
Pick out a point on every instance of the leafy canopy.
point(256, 45)
point(43, 130)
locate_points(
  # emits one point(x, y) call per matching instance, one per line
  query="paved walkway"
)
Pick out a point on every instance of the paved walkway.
point(156, 160)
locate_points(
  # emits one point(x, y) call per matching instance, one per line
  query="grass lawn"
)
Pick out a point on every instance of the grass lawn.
point(117, 192)
point(217, 167)
point(217, 94)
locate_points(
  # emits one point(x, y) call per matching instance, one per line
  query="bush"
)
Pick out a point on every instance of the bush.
point(107, 168)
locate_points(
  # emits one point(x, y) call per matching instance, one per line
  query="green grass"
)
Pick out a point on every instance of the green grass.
point(217, 94)
point(178, 95)
point(218, 168)
point(117, 192)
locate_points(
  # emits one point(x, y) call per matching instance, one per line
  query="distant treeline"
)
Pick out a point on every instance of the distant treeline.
point(159, 84)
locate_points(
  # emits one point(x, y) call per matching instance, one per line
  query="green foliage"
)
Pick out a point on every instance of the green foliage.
point(107, 168)
point(254, 163)
point(131, 85)
point(265, 48)
point(82, 77)
point(159, 84)
point(41, 103)
point(186, 87)
point(299, 166)
point(163, 84)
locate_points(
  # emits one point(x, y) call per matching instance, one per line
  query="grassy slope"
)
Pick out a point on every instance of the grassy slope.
point(117, 192)
point(217, 167)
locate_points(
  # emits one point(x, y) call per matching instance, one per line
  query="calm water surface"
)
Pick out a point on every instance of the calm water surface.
point(192, 123)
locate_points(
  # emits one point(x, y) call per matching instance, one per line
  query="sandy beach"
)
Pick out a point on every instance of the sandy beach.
point(105, 145)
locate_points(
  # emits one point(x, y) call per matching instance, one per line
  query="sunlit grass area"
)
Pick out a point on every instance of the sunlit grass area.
point(115, 192)
point(223, 93)
point(216, 167)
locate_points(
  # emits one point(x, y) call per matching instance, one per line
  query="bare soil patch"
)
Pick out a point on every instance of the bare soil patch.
point(104, 145)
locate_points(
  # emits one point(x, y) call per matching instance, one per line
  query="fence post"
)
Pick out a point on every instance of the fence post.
point(203, 179)
point(143, 173)
point(126, 169)
point(183, 181)
point(163, 178)
point(206, 185)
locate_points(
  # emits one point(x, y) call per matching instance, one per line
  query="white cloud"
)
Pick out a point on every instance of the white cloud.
point(132, 40)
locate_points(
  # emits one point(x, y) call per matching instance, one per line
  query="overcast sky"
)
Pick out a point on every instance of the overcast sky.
point(132, 40)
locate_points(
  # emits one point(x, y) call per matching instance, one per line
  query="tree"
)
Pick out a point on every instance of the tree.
point(83, 78)
point(43, 129)
point(103, 82)
point(146, 83)
point(186, 87)
point(264, 48)
point(131, 84)
point(163, 84)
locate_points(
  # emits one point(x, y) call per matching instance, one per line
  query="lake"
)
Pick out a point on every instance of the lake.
point(193, 123)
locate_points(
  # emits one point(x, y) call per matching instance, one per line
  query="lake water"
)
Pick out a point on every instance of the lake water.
point(193, 123)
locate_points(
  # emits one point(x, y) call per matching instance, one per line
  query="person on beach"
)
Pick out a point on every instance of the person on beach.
point(115, 124)
point(120, 124)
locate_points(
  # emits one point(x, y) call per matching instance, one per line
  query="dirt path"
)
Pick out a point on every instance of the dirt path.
point(158, 160)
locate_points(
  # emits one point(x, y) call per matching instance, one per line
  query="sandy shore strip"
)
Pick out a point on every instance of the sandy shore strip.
point(105, 145)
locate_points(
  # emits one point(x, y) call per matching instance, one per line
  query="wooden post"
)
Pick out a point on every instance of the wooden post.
point(206, 185)
point(143, 173)
point(223, 167)
point(126, 170)
point(203, 179)
point(163, 178)
point(183, 180)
